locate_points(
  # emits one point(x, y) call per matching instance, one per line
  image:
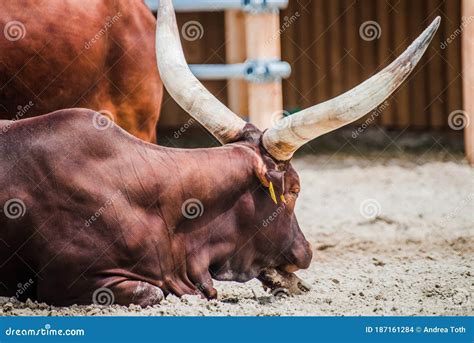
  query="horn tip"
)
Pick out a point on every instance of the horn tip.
point(436, 22)
point(431, 30)
point(422, 42)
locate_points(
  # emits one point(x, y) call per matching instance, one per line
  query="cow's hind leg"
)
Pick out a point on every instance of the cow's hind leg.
point(131, 292)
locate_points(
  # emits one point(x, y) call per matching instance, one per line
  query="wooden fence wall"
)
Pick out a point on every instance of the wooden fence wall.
point(329, 52)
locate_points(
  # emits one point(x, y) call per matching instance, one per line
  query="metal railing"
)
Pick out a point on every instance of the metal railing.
point(258, 71)
point(253, 71)
point(222, 5)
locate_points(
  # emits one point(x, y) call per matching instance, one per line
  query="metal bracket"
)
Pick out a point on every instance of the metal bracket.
point(262, 6)
point(261, 71)
point(257, 71)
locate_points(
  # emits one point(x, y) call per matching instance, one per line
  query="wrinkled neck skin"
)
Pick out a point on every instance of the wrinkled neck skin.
point(196, 194)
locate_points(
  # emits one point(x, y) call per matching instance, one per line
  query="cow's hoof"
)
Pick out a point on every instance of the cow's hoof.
point(282, 284)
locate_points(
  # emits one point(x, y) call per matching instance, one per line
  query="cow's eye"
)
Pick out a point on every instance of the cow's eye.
point(294, 193)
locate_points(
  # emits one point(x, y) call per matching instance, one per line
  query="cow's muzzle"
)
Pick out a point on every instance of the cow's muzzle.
point(301, 256)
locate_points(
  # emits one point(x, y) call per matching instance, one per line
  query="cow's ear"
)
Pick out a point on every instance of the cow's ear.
point(274, 181)
point(276, 185)
point(261, 171)
point(271, 178)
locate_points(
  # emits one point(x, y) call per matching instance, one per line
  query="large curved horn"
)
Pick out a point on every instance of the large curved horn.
point(183, 86)
point(294, 131)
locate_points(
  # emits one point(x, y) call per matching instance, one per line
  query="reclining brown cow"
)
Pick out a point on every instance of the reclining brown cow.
point(88, 211)
point(97, 54)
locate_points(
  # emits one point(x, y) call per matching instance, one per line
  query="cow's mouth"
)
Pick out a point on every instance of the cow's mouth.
point(290, 268)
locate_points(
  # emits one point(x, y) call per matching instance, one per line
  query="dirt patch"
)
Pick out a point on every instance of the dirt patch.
point(392, 238)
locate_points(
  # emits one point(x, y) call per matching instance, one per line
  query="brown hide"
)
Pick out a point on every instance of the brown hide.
point(97, 54)
point(101, 208)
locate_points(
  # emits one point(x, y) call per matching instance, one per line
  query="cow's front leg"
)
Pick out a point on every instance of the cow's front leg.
point(131, 292)
point(206, 287)
point(199, 275)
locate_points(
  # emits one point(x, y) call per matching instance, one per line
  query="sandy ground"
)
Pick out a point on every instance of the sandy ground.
point(391, 238)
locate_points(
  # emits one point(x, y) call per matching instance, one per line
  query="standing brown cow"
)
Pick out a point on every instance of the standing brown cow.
point(97, 54)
